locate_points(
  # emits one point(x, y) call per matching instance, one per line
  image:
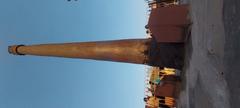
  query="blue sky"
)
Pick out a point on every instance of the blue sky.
point(48, 82)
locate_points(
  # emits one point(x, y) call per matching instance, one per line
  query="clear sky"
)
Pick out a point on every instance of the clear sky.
point(48, 82)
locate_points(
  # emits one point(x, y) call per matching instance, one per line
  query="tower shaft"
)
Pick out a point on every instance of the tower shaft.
point(128, 50)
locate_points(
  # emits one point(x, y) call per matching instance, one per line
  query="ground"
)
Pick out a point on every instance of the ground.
point(211, 74)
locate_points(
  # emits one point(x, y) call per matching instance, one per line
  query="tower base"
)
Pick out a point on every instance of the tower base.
point(166, 55)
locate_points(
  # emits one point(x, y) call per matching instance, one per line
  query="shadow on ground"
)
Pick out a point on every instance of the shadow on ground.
point(231, 19)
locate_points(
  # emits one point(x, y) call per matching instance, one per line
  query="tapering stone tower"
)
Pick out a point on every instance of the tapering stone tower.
point(138, 51)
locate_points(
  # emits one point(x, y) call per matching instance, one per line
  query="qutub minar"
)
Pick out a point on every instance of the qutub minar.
point(167, 26)
point(165, 48)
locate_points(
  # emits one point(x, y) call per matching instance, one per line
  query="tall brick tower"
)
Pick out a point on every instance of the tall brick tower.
point(138, 51)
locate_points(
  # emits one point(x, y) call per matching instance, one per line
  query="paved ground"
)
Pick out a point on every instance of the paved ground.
point(212, 56)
